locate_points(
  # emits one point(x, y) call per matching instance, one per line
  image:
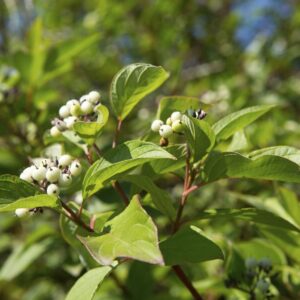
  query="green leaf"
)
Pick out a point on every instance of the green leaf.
point(13, 188)
point(167, 165)
point(69, 230)
point(255, 215)
point(290, 203)
point(132, 84)
point(160, 198)
point(87, 285)
point(288, 242)
point(23, 255)
point(259, 248)
point(119, 160)
point(74, 138)
point(287, 152)
point(169, 104)
point(239, 142)
point(189, 245)
point(131, 234)
point(42, 200)
point(236, 121)
point(200, 136)
point(234, 165)
point(89, 131)
point(140, 281)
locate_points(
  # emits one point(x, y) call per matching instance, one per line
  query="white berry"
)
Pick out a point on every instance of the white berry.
point(75, 168)
point(156, 124)
point(70, 121)
point(52, 189)
point(70, 103)
point(176, 115)
point(39, 173)
point(86, 107)
point(61, 125)
point(22, 212)
point(64, 160)
point(84, 98)
point(64, 111)
point(55, 132)
point(165, 131)
point(27, 174)
point(53, 174)
point(94, 97)
point(65, 179)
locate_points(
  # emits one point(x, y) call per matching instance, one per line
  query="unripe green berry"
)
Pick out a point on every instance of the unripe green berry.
point(156, 124)
point(177, 126)
point(65, 180)
point(52, 189)
point(52, 174)
point(176, 115)
point(87, 107)
point(265, 263)
point(263, 285)
point(39, 173)
point(251, 263)
point(22, 212)
point(94, 96)
point(165, 131)
point(64, 160)
point(75, 168)
point(169, 122)
point(64, 111)
point(55, 132)
point(75, 109)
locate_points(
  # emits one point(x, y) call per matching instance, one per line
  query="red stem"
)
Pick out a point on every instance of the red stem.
point(185, 280)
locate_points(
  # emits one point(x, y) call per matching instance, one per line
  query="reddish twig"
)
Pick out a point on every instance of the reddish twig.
point(116, 185)
point(117, 133)
point(75, 218)
point(185, 280)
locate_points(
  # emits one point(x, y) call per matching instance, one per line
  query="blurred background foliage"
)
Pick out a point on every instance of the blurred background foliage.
point(231, 54)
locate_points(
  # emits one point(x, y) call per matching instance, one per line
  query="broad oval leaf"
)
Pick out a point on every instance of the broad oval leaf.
point(169, 104)
point(236, 121)
point(234, 165)
point(12, 188)
point(131, 234)
point(290, 153)
point(87, 285)
point(119, 160)
point(89, 131)
point(189, 245)
point(255, 215)
point(160, 198)
point(167, 166)
point(132, 84)
point(259, 248)
point(41, 200)
point(200, 136)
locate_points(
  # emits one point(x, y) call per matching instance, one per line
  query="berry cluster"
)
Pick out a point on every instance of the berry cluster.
point(173, 125)
point(256, 277)
point(73, 111)
point(257, 272)
point(50, 175)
